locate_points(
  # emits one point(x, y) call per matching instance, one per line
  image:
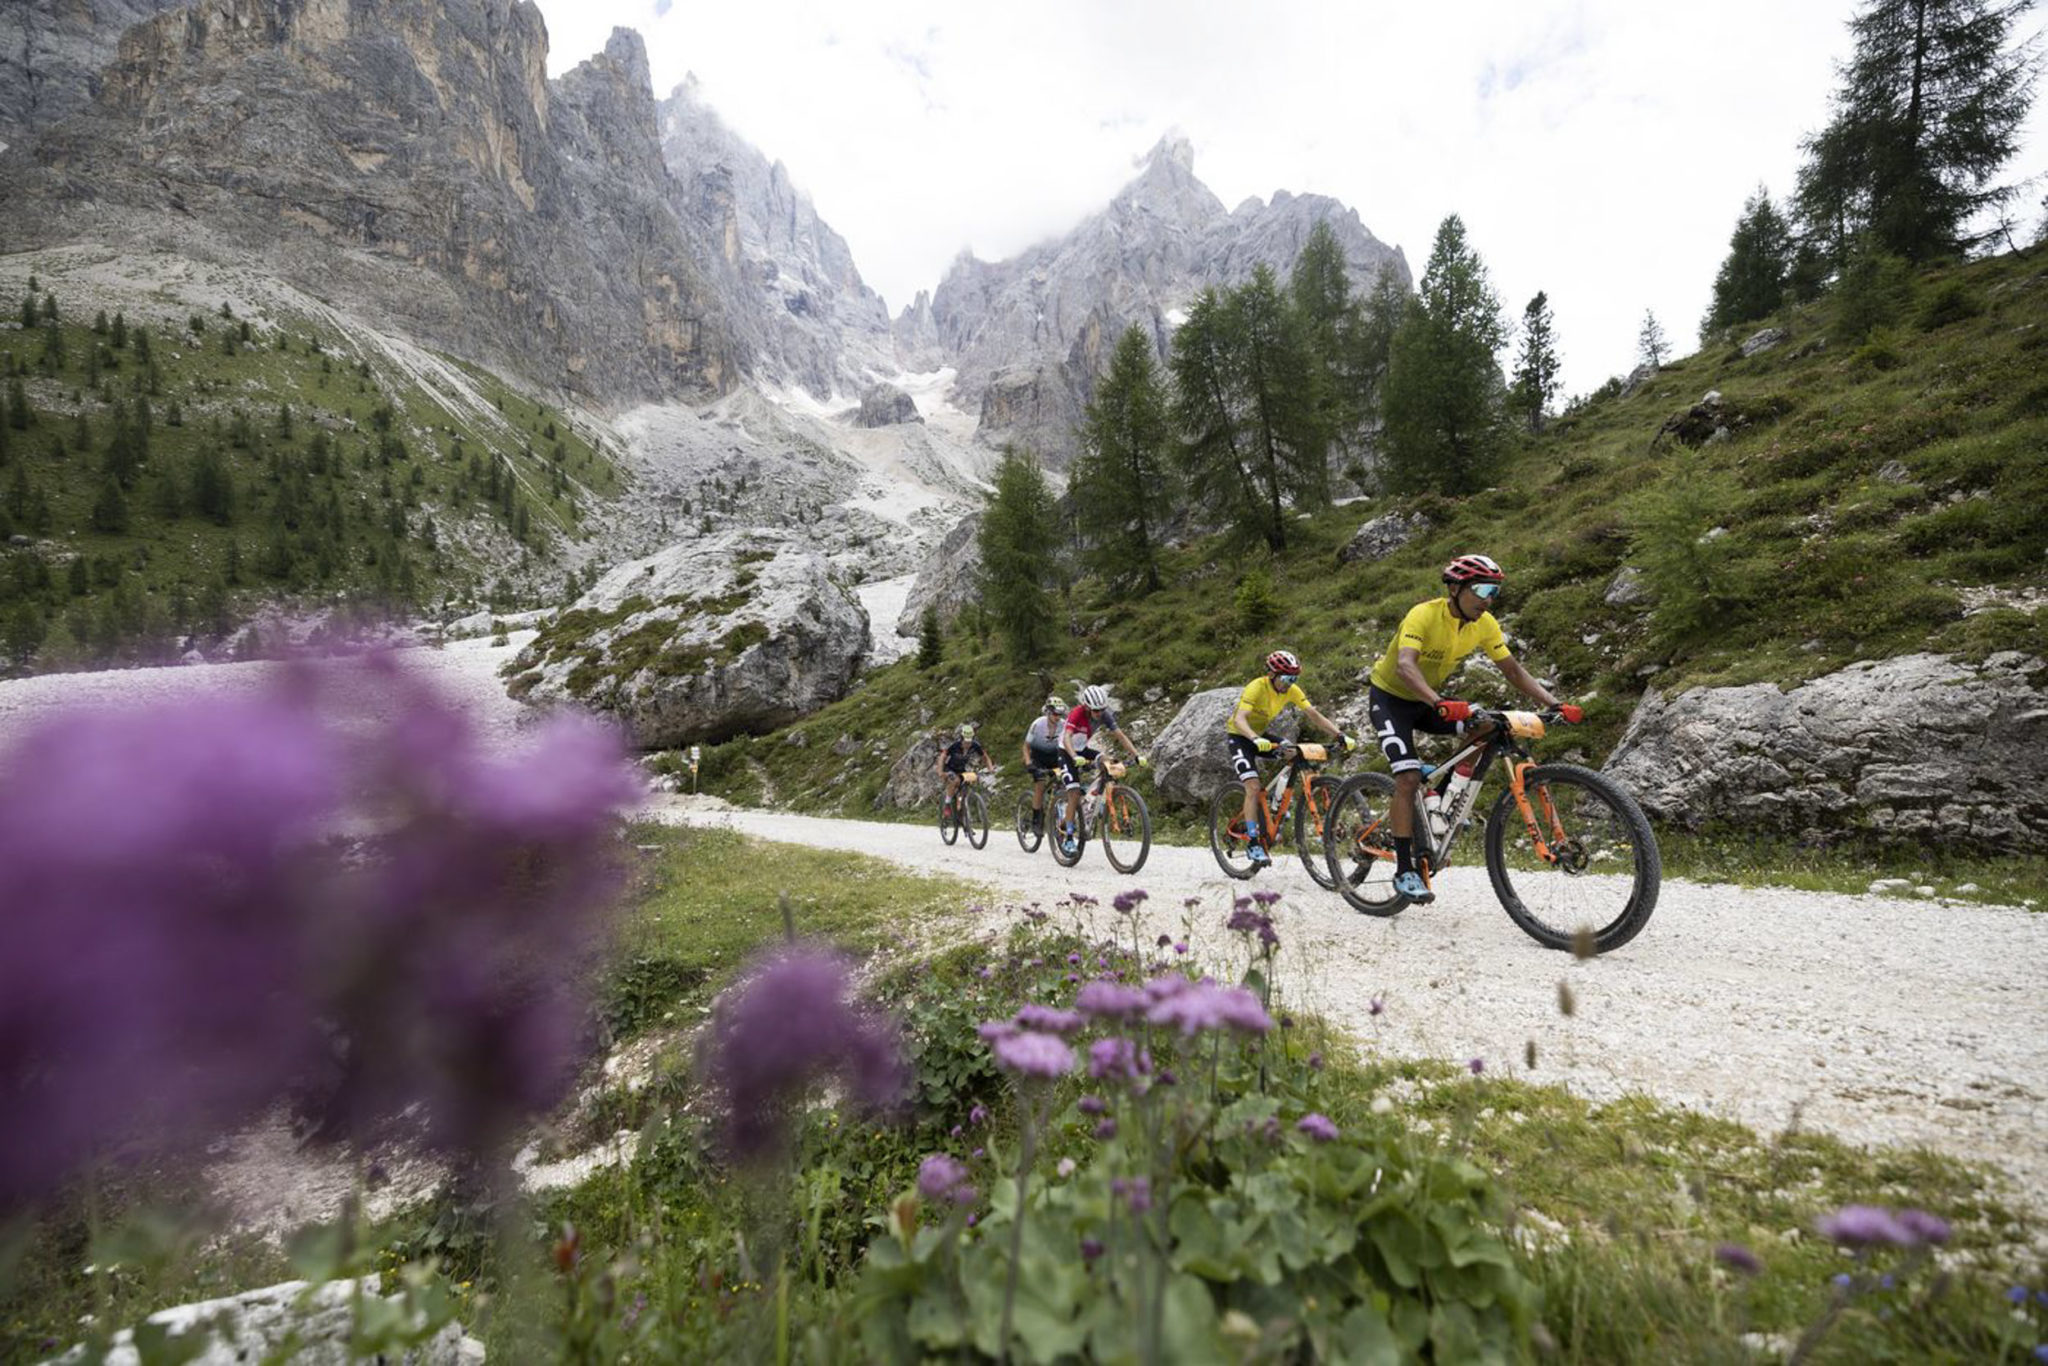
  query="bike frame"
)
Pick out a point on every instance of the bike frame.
point(1500, 744)
point(1275, 816)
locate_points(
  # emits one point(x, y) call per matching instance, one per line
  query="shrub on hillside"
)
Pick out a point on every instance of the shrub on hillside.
point(1875, 290)
point(1954, 302)
point(1691, 564)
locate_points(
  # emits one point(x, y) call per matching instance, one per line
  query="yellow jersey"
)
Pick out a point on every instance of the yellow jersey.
point(1262, 703)
point(1439, 640)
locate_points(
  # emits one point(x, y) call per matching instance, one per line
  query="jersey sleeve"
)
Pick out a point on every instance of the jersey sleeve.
point(1492, 640)
point(1296, 697)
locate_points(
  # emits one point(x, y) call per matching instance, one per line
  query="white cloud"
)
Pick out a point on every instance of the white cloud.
point(1597, 149)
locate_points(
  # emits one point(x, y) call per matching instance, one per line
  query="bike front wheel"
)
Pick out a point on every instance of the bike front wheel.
point(1311, 819)
point(949, 820)
point(1228, 839)
point(1587, 877)
point(974, 818)
point(1358, 845)
point(1029, 835)
point(1126, 831)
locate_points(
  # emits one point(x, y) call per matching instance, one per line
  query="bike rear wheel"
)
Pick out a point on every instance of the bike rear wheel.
point(1310, 820)
point(1126, 831)
point(1596, 889)
point(1062, 828)
point(1028, 835)
point(949, 820)
point(1358, 845)
point(974, 818)
point(1228, 840)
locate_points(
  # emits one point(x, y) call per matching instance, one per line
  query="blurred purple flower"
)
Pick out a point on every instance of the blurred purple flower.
point(1105, 1129)
point(1129, 901)
point(1925, 1227)
point(1181, 946)
point(1265, 898)
point(1115, 1058)
point(1049, 1020)
point(978, 1114)
point(1865, 1226)
point(1317, 1127)
point(943, 1180)
point(992, 1031)
point(1135, 1192)
point(1074, 960)
point(1475, 1065)
point(1164, 940)
point(1841, 1280)
point(1253, 922)
point(1106, 1000)
point(1378, 1006)
point(1738, 1257)
point(791, 1022)
point(2016, 1294)
point(1091, 1105)
point(1315, 1061)
point(1204, 1006)
point(1034, 1055)
point(1091, 1249)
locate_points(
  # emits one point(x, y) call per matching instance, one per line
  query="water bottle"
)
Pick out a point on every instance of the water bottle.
point(1456, 795)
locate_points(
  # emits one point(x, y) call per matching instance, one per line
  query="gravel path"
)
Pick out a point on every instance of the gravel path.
point(1876, 1020)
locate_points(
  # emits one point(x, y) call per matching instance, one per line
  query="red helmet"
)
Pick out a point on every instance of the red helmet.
point(1282, 662)
point(1473, 569)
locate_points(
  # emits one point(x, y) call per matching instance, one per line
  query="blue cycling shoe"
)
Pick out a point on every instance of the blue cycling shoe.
point(1258, 855)
point(1414, 888)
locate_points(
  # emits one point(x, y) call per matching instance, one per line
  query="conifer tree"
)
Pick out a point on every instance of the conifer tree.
point(1121, 490)
point(1535, 384)
point(1333, 326)
point(1379, 319)
point(1928, 111)
point(110, 510)
point(1443, 405)
point(931, 646)
point(213, 490)
point(1651, 348)
point(99, 323)
point(120, 331)
point(1751, 282)
point(49, 307)
point(1018, 529)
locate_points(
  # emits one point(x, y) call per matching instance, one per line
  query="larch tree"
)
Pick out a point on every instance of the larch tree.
point(1750, 285)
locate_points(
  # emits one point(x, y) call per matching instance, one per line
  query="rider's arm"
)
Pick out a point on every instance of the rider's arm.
point(1525, 681)
point(1242, 726)
point(988, 760)
point(1410, 670)
point(1024, 754)
point(939, 764)
point(1125, 741)
point(1325, 722)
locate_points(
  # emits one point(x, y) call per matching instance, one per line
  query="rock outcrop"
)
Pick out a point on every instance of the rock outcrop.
point(884, 405)
point(1921, 748)
point(1190, 763)
point(407, 161)
point(912, 783)
point(947, 581)
point(735, 633)
point(309, 1323)
point(1382, 536)
point(52, 53)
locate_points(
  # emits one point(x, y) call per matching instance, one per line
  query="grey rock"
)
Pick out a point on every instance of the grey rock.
point(695, 643)
point(1763, 341)
point(52, 53)
point(1382, 536)
point(912, 782)
point(314, 1324)
point(1190, 760)
point(1917, 748)
point(1894, 472)
point(1627, 589)
point(949, 580)
point(1637, 378)
point(884, 405)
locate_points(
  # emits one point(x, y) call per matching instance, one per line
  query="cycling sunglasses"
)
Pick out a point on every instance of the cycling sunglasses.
point(1286, 680)
point(1485, 592)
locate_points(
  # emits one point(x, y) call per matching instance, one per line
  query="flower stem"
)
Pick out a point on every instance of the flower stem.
point(1024, 1158)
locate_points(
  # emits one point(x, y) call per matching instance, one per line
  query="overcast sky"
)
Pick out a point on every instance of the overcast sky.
point(1599, 150)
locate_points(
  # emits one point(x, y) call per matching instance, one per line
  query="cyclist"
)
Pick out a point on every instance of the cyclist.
point(1078, 749)
point(1041, 755)
point(954, 759)
point(1258, 706)
point(1403, 697)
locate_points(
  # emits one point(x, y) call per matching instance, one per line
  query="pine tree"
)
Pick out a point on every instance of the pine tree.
point(1928, 111)
point(931, 646)
point(120, 332)
point(213, 489)
point(110, 510)
point(1651, 348)
point(49, 307)
point(1120, 487)
point(1333, 325)
point(99, 323)
point(1535, 384)
point(1380, 318)
point(1018, 529)
point(1443, 404)
point(1751, 282)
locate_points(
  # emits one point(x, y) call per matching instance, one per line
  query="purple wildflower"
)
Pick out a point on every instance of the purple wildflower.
point(1091, 1249)
point(1739, 1258)
point(1135, 1192)
point(1181, 946)
point(1204, 1006)
point(791, 1022)
point(1163, 941)
point(1166, 1077)
point(994, 1031)
point(2016, 1295)
point(943, 1180)
point(1115, 1058)
point(1105, 1129)
point(1378, 1006)
point(978, 1115)
point(1048, 1020)
point(1128, 901)
point(1841, 1280)
point(1034, 1055)
point(987, 973)
point(1315, 1061)
point(1265, 898)
point(1317, 1127)
point(1475, 1065)
point(1925, 1227)
point(1074, 960)
point(1106, 1000)
point(1091, 1105)
point(1865, 1226)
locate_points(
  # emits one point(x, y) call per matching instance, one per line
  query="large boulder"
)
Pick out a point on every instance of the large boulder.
point(312, 1325)
point(948, 580)
point(912, 783)
point(1382, 536)
point(1923, 747)
point(884, 405)
point(735, 633)
point(1190, 762)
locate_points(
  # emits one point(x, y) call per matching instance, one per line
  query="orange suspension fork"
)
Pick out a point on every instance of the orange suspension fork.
point(1517, 782)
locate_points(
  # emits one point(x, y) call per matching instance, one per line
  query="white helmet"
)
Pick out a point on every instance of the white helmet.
point(1095, 697)
point(966, 730)
point(1054, 702)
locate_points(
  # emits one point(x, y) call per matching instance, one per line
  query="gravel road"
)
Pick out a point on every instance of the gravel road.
point(1877, 1020)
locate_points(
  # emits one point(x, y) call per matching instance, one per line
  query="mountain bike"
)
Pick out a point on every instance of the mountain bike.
point(1570, 853)
point(1300, 777)
point(967, 811)
point(1111, 811)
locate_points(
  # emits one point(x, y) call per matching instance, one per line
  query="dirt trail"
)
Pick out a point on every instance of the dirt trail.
point(1876, 1020)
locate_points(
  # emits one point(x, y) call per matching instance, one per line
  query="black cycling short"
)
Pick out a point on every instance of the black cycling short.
point(1244, 756)
point(1070, 771)
point(1045, 761)
point(1394, 723)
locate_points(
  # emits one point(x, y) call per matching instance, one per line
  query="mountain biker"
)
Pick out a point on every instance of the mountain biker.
point(1403, 697)
point(954, 759)
point(1078, 749)
point(1258, 706)
point(1041, 754)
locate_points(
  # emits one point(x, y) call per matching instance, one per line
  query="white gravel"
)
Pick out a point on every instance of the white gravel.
point(1876, 1020)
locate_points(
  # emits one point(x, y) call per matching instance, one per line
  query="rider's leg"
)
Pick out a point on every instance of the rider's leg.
point(1253, 826)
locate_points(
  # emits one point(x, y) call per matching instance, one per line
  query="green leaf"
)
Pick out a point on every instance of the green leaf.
point(319, 1252)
